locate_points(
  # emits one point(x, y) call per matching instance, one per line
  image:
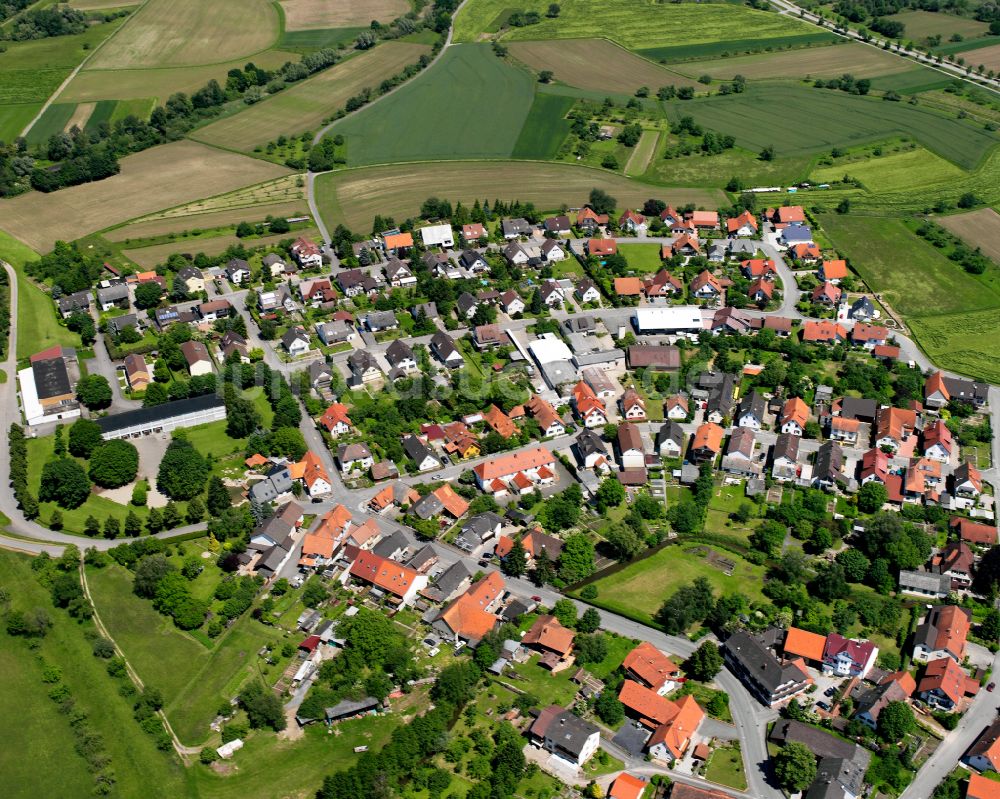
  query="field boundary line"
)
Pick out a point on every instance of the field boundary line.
point(62, 86)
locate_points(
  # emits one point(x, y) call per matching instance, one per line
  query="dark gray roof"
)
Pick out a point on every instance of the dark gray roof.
point(159, 413)
point(669, 431)
point(961, 389)
point(272, 559)
point(451, 579)
point(427, 507)
point(760, 663)
point(381, 319)
point(443, 344)
point(786, 445)
point(465, 303)
point(482, 523)
point(397, 352)
point(568, 732)
point(361, 361)
point(426, 553)
point(417, 449)
point(863, 306)
point(589, 443)
point(351, 707)
point(829, 462)
point(79, 300)
point(820, 742)
point(469, 258)
point(390, 545)
point(517, 226)
point(119, 323)
point(858, 408)
point(51, 378)
point(753, 404)
point(294, 334)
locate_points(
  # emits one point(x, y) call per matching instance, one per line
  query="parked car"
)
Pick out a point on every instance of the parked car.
point(991, 686)
point(830, 691)
point(536, 599)
point(823, 706)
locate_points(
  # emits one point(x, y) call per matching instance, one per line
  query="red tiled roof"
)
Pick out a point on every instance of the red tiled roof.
point(806, 644)
point(383, 573)
point(626, 786)
point(651, 666)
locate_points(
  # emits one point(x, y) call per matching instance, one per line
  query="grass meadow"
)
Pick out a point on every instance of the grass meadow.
point(716, 170)
point(596, 65)
point(357, 195)
point(964, 342)
point(722, 48)
point(149, 181)
point(816, 119)
point(37, 748)
point(178, 225)
point(470, 104)
point(893, 171)
point(921, 24)
point(635, 24)
point(638, 590)
point(14, 118)
point(37, 326)
point(177, 33)
point(305, 105)
point(150, 257)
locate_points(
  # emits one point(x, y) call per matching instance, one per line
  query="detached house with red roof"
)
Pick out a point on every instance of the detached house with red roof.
point(823, 332)
point(549, 637)
point(335, 420)
point(743, 225)
point(943, 633)
point(670, 741)
point(601, 248)
point(793, 417)
point(588, 219)
point(589, 407)
point(759, 267)
point(826, 294)
point(705, 286)
point(704, 220)
point(944, 684)
point(869, 336)
point(473, 614)
point(633, 406)
point(761, 291)
point(805, 252)
point(648, 666)
point(832, 271)
point(938, 443)
point(894, 426)
point(847, 658)
point(389, 577)
point(632, 222)
point(785, 216)
point(626, 786)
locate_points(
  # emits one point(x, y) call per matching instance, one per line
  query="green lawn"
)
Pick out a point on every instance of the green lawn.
point(139, 768)
point(551, 689)
point(818, 119)
point(642, 257)
point(725, 767)
point(640, 588)
point(470, 104)
point(194, 679)
point(618, 648)
point(37, 326)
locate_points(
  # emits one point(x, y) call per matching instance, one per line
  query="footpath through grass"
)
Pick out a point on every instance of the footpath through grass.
point(37, 325)
point(37, 760)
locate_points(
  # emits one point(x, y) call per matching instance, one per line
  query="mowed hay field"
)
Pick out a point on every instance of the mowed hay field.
point(636, 24)
point(309, 14)
point(14, 118)
point(470, 104)
point(921, 24)
point(153, 179)
point(596, 65)
point(305, 105)
point(894, 171)
point(977, 228)
point(135, 84)
point(355, 196)
point(285, 188)
point(174, 33)
point(914, 277)
point(860, 60)
point(800, 119)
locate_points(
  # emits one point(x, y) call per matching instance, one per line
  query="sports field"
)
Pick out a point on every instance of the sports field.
point(977, 228)
point(470, 104)
point(305, 105)
point(921, 24)
point(816, 119)
point(636, 24)
point(641, 588)
point(825, 62)
point(130, 84)
point(894, 171)
point(174, 33)
point(915, 278)
point(153, 179)
point(357, 195)
point(597, 65)
point(308, 14)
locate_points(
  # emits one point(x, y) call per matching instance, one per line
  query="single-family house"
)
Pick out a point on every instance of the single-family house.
point(198, 360)
point(295, 340)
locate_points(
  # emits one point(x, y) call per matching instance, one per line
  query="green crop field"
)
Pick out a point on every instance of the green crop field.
point(716, 170)
point(103, 111)
point(305, 105)
point(175, 33)
point(355, 196)
point(913, 277)
point(307, 41)
point(642, 587)
point(139, 768)
point(826, 62)
point(921, 24)
point(545, 128)
point(816, 119)
point(963, 342)
point(52, 121)
point(721, 48)
point(635, 24)
point(470, 104)
point(912, 81)
point(141, 107)
point(894, 171)
point(14, 118)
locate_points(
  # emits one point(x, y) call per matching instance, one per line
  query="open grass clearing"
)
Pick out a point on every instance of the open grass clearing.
point(180, 224)
point(860, 60)
point(101, 5)
point(545, 128)
point(139, 84)
point(157, 178)
point(716, 170)
point(643, 153)
point(175, 33)
point(977, 228)
point(357, 195)
point(470, 104)
point(921, 24)
point(140, 107)
point(893, 171)
point(306, 14)
point(633, 23)
point(642, 257)
point(725, 767)
point(305, 105)
point(913, 277)
point(139, 768)
point(37, 326)
point(638, 590)
point(817, 119)
point(596, 64)
point(14, 119)
point(149, 257)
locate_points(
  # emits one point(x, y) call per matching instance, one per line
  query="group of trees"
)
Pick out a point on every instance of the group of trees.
point(41, 23)
point(18, 450)
point(846, 83)
point(158, 579)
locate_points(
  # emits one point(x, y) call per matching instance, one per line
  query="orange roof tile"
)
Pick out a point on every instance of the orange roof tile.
point(834, 270)
point(804, 643)
point(675, 733)
point(981, 787)
point(386, 574)
point(508, 465)
point(626, 786)
point(499, 422)
point(708, 435)
point(648, 705)
point(313, 544)
point(396, 240)
point(548, 633)
point(453, 503)
point(333, 415)
point(628, 286)
point(467, 616)
point(651, 666)
point(795, 410)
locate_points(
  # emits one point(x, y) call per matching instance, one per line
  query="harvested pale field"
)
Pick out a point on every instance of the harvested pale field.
point(233, 216)
point(149, 257)
point(137, 84)
point(833, 61)
point(989, 57)
point(642, 153)
point(285, 188)
point(596, 64)
point(977, 228)
point(305, 105)
point(176, 33)
point(355, 196)
point(311, 14)
point(80, 115)
point(153, 179)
